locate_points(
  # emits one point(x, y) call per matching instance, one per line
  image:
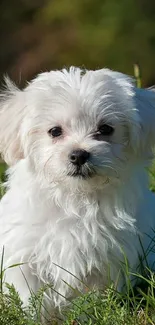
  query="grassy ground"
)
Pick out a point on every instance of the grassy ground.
point(134, 307)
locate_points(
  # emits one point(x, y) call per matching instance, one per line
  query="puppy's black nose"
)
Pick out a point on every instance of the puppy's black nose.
point(78, 157)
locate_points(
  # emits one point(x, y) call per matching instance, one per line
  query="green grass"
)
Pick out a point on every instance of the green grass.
point(134, 307)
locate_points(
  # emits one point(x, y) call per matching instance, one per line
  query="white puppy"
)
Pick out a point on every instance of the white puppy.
point(77, 193)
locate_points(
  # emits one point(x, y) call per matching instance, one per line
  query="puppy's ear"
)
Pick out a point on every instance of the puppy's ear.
point(145, 106)
point(11, 117)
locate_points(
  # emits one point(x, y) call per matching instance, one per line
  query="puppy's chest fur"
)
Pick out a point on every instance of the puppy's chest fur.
point(67, 238)
point(80, 241)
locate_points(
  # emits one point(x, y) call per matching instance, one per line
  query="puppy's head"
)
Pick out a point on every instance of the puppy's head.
point(75, 127)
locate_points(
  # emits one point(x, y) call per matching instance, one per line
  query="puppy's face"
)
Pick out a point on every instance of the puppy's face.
point(78, 128)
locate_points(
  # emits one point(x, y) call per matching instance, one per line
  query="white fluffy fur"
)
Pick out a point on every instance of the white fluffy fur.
point(54, 222)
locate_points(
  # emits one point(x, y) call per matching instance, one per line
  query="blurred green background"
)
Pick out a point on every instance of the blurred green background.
point(38, 35)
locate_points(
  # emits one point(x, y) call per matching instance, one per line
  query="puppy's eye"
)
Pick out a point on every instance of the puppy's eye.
point(105, 129)
point(56, 131)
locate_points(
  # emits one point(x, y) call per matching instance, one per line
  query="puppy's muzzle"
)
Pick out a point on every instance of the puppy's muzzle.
point(79, 157)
